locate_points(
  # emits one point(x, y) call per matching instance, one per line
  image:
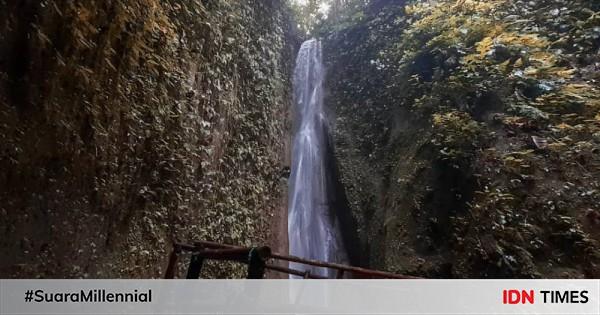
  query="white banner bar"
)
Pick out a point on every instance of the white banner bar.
point(299, 297)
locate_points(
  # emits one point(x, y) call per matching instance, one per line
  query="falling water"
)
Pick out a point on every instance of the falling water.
point(313, 228)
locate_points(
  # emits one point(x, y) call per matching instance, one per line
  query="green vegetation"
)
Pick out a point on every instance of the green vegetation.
point(467, 132)
point(313, 16)
point(127, 125)
point(471, 128)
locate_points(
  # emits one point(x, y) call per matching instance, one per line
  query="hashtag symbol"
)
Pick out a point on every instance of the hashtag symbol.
point(28, 295)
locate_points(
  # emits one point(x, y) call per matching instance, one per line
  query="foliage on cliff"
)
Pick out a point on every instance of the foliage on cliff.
point(471, 129)
point(126, 125)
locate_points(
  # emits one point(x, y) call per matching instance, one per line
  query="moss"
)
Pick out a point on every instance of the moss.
point(145, 122)
point(475, 112)
point(457, 135)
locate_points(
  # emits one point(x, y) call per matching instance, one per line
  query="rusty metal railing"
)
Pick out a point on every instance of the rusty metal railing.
point(260, 259)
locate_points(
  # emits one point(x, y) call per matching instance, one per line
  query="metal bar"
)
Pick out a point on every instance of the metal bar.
point(356, 270)
point(195, 266)
point(214, 245)
point(256, 264)
point(209, 244)
point(186, 247)
point(307, 274)
point(172, 266)
point(292, 271)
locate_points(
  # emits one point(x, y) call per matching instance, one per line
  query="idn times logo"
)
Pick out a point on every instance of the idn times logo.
point(514, 296)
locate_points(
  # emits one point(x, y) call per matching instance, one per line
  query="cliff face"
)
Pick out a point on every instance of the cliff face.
point(126, 125)
point(467, 136)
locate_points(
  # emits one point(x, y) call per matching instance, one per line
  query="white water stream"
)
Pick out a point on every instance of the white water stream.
point(313, 228)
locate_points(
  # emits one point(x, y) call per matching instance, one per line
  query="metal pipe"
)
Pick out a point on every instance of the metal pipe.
point(240, 254)
point(172, 265)
point(209, 244)
point(358, 271)
point(293, 272)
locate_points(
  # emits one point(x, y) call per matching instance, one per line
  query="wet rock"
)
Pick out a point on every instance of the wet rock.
point(500, 52)
point(530, 112)
point(539, 143)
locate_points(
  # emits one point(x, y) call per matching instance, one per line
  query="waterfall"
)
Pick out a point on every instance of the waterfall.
point(313, 227)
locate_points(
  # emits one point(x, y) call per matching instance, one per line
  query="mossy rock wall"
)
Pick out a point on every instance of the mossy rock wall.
point(127, 125)
point(467, 136)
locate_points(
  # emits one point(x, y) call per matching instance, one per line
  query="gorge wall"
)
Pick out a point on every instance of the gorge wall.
point(467, 136)
point(126, 125)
